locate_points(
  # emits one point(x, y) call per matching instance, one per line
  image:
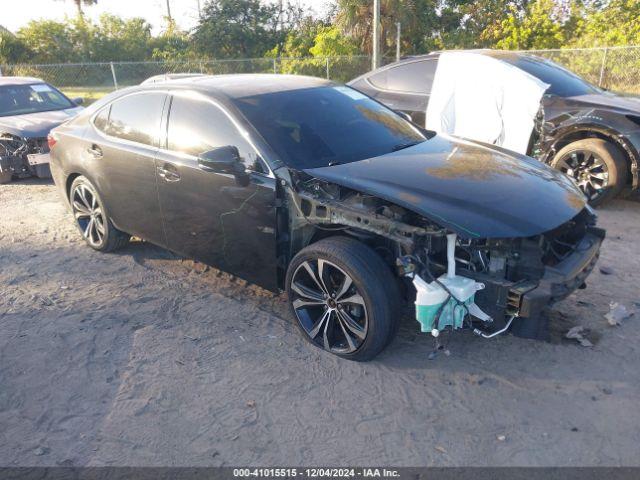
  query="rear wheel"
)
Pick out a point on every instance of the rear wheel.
point(91, 218)
point(344, 297)
point(597, 166)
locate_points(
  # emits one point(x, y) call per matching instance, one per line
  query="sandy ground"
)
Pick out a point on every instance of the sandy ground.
point(142, 358)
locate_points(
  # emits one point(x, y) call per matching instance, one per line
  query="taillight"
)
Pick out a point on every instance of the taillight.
point(51, 141)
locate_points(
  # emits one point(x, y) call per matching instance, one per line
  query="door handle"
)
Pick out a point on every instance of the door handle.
point(95, 151)
point(168, 173)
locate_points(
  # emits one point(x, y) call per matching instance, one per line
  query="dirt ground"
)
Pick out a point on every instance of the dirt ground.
point(142, 358)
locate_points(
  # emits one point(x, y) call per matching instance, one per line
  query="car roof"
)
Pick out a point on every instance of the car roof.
point(483, 51)
point(244, 84)
point(163, 77)
point(19, 81)
point(506, 55)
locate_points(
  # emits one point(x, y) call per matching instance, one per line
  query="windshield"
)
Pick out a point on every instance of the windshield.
point(38, 97)
point(563, 83)
point(319, 127)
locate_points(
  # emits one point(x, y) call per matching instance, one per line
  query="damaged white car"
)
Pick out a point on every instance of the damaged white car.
point(29, 109)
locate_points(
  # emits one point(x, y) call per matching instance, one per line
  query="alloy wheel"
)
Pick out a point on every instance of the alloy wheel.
point(329, 306)
point(88, 214)
point(589, 171)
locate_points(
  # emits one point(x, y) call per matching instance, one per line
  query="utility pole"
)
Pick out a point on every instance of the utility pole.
point(398, 30)
point(199, 10)
point(376, 34)
point(169, 12)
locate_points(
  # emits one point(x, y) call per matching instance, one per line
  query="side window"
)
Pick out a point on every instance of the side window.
point(136, 118)
point(100, 120)
point(197, 126)
point(415, 77)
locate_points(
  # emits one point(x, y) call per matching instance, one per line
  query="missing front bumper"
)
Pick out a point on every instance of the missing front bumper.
point(528, 300)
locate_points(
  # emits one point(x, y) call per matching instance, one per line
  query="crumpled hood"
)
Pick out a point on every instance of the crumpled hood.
point(475, 190)
point(629, 103)
point(34, 125)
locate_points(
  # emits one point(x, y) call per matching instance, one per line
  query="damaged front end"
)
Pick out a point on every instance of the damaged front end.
point(23, 157)
point(486, 284)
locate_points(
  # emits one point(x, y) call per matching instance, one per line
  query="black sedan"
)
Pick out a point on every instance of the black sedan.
point(588, 133)
point(301, 184)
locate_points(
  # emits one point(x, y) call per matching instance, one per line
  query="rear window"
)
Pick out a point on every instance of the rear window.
point(563, 83)
point(34, 98)
point(415, 77)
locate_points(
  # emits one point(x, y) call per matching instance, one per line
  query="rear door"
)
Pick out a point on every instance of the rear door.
point(121, 152)
point(207, 215)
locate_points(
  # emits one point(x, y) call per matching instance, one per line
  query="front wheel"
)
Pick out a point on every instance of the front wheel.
point(91, 218)
point(597, 166)
point(344, 297)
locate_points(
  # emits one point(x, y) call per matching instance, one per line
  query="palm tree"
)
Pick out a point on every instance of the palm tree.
point(80, 3)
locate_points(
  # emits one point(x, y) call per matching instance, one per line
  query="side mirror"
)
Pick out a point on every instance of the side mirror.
point(405, 115)
point(224, 160)
point(221, 160)
point(78, 100)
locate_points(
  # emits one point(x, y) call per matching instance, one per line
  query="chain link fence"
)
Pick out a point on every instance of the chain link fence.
point(93, 80)
point(614, 68)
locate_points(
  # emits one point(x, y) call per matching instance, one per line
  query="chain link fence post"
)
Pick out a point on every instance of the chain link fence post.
point(327, 68)
point(113, 74)
point(602, 68)
point(275, 65)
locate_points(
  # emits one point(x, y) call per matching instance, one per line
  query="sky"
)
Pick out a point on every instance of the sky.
point(17, 13)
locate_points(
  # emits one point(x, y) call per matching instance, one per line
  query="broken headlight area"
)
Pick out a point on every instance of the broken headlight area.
point(14, 155)
point(483, 284)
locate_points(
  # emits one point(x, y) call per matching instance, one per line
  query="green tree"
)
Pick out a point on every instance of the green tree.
point(298, 41)
point(122, 40)
point(48, 41)
point(244, 28)
point(539, 27)
point(330, 42)
point(419, 19)
point(171, 44)
point(12, 49)
point(80, 40)
point(617, 23)
point(474, 23)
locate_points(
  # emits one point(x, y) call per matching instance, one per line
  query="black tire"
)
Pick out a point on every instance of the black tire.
point(5, 177)
point(92, 219)
point(614, 166)
point(372, 283)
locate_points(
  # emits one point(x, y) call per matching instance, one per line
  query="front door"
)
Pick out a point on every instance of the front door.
point(210, 216)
